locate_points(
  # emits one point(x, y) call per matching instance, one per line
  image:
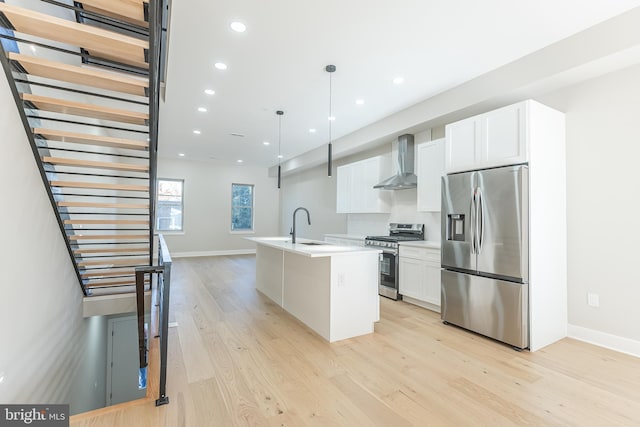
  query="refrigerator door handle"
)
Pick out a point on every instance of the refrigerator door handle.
point(472, 224)
point(480, 218)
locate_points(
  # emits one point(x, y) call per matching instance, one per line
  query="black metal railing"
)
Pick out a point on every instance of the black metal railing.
point(157, 16)
point(163, 289)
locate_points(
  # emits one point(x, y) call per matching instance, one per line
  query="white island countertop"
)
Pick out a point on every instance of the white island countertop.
point(310, 248)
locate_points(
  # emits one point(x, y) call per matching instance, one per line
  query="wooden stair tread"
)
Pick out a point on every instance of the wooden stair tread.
point(108, 236)
point(126, 272)
point(102, 205)
point(90, 139)
point(113, 283)
point(86, 110)
point(99, 185)
point(131, 11)
point(107, 221)
point(94, 164)
point(109, 250)
point(97, 41)
point(124, 261)
point(117, 82)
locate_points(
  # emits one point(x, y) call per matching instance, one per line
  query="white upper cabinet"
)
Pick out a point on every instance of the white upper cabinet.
point(496, 138)
point(430, 170)
point(355, 192)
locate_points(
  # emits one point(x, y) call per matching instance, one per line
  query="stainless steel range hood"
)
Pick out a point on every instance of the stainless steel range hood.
point(405, 178)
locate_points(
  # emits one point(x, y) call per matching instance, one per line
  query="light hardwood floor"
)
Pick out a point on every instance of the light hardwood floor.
point(237, 359)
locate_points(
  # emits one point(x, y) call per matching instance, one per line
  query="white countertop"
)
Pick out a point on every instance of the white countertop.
point(347, 236)
point(432, 244)
point(320, 249)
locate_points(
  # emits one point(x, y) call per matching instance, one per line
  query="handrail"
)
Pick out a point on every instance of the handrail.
point(163, 290)
point(155, 49)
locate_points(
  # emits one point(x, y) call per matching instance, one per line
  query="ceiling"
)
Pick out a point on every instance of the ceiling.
point(279, 62)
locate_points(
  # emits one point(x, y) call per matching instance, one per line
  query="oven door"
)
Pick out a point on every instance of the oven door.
point(388, 286)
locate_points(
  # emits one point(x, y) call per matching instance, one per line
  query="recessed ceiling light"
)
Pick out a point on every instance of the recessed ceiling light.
point(312, 130)
point(220, 65)
point(280, 156)
point(331, 118)
point(202, 109)
point(266, 143)
point(398, 80)
point(210, 91)
point(238, 27)
point(181, 154)
point(197, 132)
point(239, 161)
point(359, 101)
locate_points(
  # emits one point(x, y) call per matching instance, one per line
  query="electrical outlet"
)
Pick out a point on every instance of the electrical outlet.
point(593, 299)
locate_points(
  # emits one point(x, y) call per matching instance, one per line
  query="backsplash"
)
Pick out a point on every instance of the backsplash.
point(403, 210)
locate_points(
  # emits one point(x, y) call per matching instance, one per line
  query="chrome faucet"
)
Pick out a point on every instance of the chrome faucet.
point(293, 229)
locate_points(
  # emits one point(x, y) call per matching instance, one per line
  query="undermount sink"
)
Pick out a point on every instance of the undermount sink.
point(311, 243)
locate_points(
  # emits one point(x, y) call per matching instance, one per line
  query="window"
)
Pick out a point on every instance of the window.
point(241, 207)
point(169, 205)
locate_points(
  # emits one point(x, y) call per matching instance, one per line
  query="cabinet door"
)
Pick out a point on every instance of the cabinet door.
point(503, 140)
point(343, 188)
point(355, 192)
point(432, 283)
point(430, 171)
point(462, 146)
point(411, 272)
point(369, 175)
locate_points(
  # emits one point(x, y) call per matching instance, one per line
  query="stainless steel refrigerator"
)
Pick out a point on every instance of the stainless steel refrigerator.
point(485, 257)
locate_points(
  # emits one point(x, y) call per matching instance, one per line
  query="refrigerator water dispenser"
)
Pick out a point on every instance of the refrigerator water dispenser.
point(455, 227)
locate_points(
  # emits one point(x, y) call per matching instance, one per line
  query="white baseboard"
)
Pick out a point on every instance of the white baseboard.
point(212, 253)
point(603, 339)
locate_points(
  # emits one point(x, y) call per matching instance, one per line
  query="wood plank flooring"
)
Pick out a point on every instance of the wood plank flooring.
point(236, 359)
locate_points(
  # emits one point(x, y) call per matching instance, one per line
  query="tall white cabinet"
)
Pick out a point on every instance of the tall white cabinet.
point(430, 168)
point(527, 132)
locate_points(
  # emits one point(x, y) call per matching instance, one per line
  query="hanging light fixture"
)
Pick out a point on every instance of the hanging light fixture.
point(279, 113)
point(330, 69)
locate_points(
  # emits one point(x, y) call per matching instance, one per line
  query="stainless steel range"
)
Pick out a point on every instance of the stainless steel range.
point(398, 233)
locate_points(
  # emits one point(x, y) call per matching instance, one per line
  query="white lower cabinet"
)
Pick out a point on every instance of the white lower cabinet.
point(419, 271)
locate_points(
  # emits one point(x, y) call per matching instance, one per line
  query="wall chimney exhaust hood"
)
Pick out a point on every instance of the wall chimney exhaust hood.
point(405, 178)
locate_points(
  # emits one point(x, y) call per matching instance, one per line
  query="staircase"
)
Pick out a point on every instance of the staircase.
point(85, 78)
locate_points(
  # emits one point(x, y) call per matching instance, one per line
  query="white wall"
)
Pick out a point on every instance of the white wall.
point(43, 333)
point(314, 190)
point(207, 206)
point(603, 153)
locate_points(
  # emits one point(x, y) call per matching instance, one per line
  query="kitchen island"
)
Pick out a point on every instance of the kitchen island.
point(332, 289)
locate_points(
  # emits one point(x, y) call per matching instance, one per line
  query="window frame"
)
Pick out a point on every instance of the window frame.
point(253, 210)
point(157, 200)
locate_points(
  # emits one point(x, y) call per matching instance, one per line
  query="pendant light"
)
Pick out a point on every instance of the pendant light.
point(279, 113)
point(330, 69)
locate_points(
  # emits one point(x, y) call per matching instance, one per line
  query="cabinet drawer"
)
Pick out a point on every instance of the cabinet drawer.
point(427, 254)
